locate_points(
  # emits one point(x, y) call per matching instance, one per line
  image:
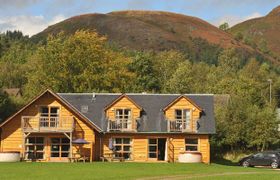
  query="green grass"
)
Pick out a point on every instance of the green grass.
point(111, 171)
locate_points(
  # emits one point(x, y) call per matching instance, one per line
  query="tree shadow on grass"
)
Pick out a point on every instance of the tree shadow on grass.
point(223, 161)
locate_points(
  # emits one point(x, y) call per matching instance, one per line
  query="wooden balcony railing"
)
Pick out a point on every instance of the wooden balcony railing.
point(47, 124)
point(181, 126)
point(121, 125)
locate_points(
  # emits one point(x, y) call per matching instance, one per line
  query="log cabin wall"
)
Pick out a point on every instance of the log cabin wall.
point(12, 133)
point(175, 145)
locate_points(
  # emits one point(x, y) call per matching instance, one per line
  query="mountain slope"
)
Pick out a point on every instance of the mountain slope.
point(146, 30)
point(157, 31)
point(265, 29)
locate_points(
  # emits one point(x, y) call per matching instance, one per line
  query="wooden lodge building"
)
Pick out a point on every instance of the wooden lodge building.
point(135, 127)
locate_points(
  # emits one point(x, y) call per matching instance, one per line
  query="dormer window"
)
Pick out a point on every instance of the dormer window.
point(182, 119)
point(123, 117)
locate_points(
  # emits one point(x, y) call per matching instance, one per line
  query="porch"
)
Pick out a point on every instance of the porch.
point(50, 139)
point(179, 125)
point(47, 124)
point(122, 125)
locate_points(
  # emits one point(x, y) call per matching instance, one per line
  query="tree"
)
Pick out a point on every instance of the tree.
point(224, 26)
point(6, 106)
point(142, 66)
point(182, 80)
point(165, 65)
point(263, 127)
point(78, 63)
point(230, 61)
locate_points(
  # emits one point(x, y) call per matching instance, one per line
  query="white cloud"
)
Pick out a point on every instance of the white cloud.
point(233, 20)
point(29, 25)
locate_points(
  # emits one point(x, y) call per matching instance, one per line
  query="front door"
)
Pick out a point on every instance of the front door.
point(156, 149)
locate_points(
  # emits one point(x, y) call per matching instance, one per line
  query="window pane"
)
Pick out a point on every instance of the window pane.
point(55, 140)
point(31, 140)
point(55, 148)
point(127, 112)
point(39, 140)
point(40, 155)
point(118, 148)
point(152, 141)
point(119, 112)
point(64, 154)
point(118, 141)
point(126, 155)
point(54, 154)
point(54, 110)
point(30, 156)
point(152, 155)
point(30, 148)
point(65, 147)
point(39, 147)
point(126, 141)
point(178, 113)
point(191, 141)
point(126, 148)
point(191, 148)
point(44, 110)
point(152, 149)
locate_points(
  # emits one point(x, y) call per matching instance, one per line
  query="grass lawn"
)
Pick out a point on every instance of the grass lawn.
point(143, 171)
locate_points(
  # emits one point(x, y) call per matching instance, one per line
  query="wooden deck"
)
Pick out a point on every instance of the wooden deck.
point(47, 124)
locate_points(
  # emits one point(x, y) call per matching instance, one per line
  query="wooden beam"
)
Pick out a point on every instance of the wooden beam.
point(91, 145)
point(71, 145)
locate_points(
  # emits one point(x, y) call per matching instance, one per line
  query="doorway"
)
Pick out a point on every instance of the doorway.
point(156, 149)
point(161, 149)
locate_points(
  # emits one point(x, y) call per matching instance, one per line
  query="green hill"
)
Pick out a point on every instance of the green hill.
point(262, 32)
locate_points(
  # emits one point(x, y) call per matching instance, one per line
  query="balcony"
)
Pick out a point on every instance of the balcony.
point(121, 125)
point(181, 126)
point(47, 124)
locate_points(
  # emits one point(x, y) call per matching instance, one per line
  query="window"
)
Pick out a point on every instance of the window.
point(182, 119)
point(123, 118)
point(270, 155)
point(122, 147)
point(191, 144)
point(60, 147)
point(34, 148)
point(259, 155)
point(153, 144)
point(49, 116)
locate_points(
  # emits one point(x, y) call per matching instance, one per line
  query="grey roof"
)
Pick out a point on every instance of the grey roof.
point(152, 118)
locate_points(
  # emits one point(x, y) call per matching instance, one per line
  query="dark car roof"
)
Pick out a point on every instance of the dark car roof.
point(152, 118)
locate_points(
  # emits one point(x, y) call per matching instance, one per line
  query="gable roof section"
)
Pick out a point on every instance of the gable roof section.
point(177, 99)
point(152, 119)
point(61, 100)
point(118, 99)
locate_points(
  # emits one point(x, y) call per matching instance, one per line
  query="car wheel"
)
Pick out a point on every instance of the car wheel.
point(245, 164)
point(274, 165)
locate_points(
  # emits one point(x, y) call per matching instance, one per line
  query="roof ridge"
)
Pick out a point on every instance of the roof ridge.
point(144, 94)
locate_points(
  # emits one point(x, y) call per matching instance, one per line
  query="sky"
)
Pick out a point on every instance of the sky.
point(33, 16)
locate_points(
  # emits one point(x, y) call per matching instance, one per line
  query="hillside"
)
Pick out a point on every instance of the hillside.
point(146, 30)
point(265, 29)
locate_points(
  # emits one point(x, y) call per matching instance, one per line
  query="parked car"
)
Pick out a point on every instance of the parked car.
point(269, 158)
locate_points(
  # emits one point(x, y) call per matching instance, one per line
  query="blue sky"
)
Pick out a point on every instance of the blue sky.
point(32, 16)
